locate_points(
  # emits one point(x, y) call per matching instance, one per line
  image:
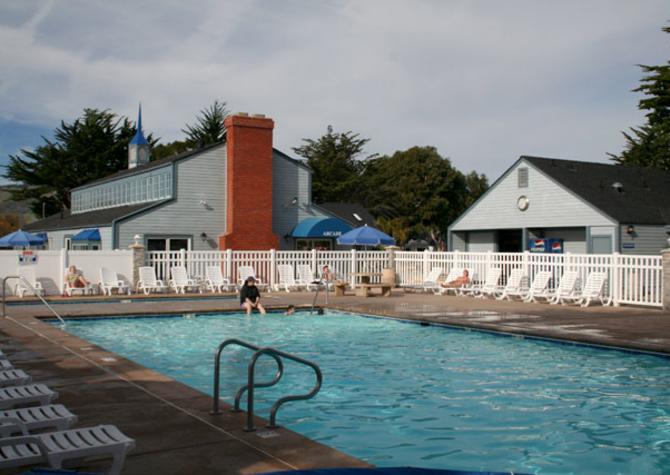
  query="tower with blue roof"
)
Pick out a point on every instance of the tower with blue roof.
point(139, 149)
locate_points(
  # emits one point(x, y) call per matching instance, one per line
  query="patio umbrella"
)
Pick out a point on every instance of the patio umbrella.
point(365, 236)
point(21, 239)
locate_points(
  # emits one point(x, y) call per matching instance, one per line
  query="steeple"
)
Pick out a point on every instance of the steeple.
point(138, 148)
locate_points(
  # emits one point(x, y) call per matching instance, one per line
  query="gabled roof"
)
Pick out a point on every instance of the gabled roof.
point(348, 211)
point(642, 198)
point(92, 219)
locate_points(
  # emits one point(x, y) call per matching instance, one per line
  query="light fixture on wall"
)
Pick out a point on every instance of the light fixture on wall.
point(293, 202)
point(203, 236)
point(137, 238)
point(203, 202)
point(630, 229)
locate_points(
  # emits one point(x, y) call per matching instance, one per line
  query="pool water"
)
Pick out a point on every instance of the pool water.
point(397, 393)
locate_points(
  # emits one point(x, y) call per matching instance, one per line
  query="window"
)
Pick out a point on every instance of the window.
point(522, 177)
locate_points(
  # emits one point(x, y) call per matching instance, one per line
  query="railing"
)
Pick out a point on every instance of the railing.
point(251, 385)
point(634, 280)
point(35, 292)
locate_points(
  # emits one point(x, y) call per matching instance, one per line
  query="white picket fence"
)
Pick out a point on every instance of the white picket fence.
point(635, 280)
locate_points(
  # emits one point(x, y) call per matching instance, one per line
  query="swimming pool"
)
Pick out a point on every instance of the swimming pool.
point(405, 394)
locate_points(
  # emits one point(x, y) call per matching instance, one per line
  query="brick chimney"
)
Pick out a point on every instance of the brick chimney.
point(249, 184)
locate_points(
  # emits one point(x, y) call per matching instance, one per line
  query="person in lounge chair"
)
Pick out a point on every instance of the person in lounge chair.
point(458, 282)
point(250, 297)
point(74, 279)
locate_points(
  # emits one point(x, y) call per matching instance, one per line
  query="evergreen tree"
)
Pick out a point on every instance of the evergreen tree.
point(209, 126)
point(649, 145)
point(336, 165)
point(93, 146)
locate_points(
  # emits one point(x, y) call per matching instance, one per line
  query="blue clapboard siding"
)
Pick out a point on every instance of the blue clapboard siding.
point(647, 239)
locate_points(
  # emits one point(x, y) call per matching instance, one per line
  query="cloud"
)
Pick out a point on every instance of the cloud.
point(482, 81)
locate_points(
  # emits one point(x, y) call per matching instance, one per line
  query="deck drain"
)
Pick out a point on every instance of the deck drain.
point(108, 359)
point(267, 434)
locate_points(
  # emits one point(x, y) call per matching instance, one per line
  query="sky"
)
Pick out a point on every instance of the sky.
point(482, 81)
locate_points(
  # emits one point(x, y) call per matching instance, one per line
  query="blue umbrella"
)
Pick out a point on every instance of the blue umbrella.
point(365, 236)
point(21, 239)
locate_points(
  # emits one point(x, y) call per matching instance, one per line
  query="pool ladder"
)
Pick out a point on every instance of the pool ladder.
point(35, 292)
point(275, 354)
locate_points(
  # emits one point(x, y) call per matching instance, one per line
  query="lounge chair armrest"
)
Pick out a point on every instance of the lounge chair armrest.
point(25, 439)
point(160, 283)
point(16, 422)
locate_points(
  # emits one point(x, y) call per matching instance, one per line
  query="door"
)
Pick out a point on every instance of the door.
point(509, 240)
point(601, 244)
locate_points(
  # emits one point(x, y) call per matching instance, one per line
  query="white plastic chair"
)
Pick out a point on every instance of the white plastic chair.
point(515, 283)
point(181, 281)
point(488, 288)
point(214, 280)
point(148, 283)
point(244, 272)
point(432, 280)
point(287, 279)
point(109, 281)
point(70, 291)
point(565, 290)
point(57, 447)
point(30, 419)
point(14, 377)
point(26, 281)
point(13, 396)
point(594, 289)
point(539, 285)
point(453, 274)
point(306, 277)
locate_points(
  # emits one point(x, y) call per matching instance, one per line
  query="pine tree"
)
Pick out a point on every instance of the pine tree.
point(209, 126)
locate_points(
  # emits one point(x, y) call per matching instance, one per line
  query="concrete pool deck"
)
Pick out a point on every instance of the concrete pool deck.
point(170, 421)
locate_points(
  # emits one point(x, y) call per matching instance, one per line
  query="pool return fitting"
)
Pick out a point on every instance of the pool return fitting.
point(275, 354)
point(35, 292)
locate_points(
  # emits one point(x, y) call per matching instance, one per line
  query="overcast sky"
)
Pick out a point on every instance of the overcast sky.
point(483, 81)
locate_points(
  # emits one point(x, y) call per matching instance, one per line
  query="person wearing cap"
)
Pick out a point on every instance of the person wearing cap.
point(250, 297)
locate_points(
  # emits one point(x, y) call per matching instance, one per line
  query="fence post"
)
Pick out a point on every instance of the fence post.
point(354, 269)
point(615, 285)
point(229, 266)
point(426, 264)
point(489, 260)
point(139, 260)
point(524, 264)
point(273, 268)
point(64, 259)
point(315, 264)
point(665, 255)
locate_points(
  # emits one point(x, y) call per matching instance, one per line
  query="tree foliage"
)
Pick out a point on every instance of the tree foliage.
point(8, 223)
point(93, 146)
point(209, 126)
point(648, 144)
point(335, 160)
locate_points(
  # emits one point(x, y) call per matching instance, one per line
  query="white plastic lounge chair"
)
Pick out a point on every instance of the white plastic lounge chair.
point(26, 281)
point(109, 281)
point(453, 274)
point(14, 377)
point(215, 281)
point(57, 447)
point(306, 277)
point(538, 288)
point(148, 283)
point(70, 291)
point(14, 396)
point(287, 279)
point(5, 363)
point(181, 281)
point(31, 419)
point(565, 290)
point(594, 289)
point(431, 282)
point(243, 272)
point(515, 283)
point(490, 286)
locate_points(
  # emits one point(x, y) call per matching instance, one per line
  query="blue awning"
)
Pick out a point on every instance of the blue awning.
point(87, 235)
point(320, 228)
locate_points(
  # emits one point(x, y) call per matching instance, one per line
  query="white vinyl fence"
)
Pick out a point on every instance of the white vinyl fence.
point(635, 280)
point(50, 266)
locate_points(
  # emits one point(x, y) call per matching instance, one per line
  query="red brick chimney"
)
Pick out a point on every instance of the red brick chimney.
point(249, 184)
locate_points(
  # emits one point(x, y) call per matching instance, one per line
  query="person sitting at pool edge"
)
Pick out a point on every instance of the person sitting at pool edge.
point(74, 279)
point(250, 297)
point(459, 281)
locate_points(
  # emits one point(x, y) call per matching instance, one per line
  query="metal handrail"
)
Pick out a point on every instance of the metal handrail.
point(275, 407)
point(35, 292)
point(217, 373)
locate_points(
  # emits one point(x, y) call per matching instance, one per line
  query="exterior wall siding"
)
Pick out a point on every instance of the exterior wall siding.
point(57, 238)
point(550, 205)
point(481, 241)
point(458, 241)
point(647, 239)
point(200, 177)
point(290, 180)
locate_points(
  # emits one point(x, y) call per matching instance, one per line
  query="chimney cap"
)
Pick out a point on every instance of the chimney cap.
point(259, 116)
point(243, 114)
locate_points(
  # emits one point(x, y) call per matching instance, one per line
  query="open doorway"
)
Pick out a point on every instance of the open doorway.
point(510, 240)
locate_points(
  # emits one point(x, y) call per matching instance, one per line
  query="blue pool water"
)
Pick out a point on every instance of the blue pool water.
point(404, 394)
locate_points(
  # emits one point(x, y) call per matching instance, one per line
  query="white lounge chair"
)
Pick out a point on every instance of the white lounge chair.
point(148, 283)
point(244, 272)
point(180, 281)
point(31, 419)
point(57, 447)
point(515, 283)
point(85, 290)
point(490, 286)
point(14, 396)
point(14, 377)
point(287, 279)
point(594, 289)
point(109, 281)
point(453, 274)
point(5, 363)
point(215, 281)
point(27, 282)
point(565, 290)
point(432, 280)
point(538, 286)
point(306, 277)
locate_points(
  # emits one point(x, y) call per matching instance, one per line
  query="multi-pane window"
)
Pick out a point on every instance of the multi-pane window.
point(522, 177)
point(150, 186)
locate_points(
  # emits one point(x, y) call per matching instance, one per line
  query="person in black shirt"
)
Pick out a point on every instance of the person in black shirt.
point(250, 297)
